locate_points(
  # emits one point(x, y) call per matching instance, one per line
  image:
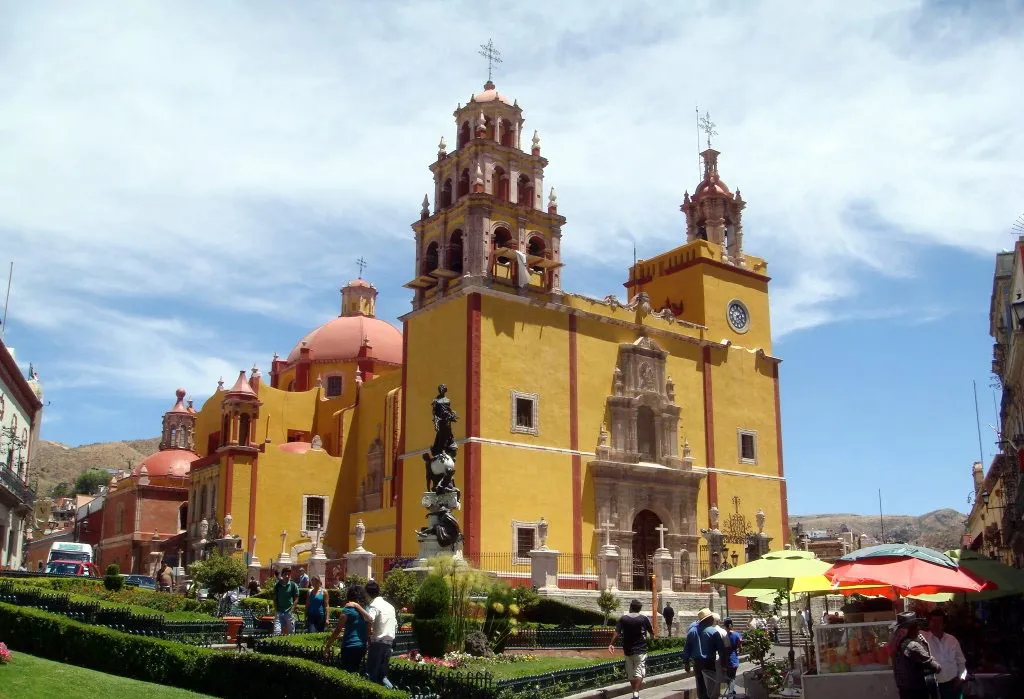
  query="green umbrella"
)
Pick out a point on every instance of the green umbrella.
point(1009, 581)
point(901, 551)
point(775, 570)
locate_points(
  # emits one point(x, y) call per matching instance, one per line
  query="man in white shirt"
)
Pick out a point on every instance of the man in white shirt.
point(383, 627)
point(946, 651)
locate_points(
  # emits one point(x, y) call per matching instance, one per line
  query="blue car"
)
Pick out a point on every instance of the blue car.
point(144, 581)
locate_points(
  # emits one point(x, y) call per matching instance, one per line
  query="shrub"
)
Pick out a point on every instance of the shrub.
point(432, 635)
point(607, 603)
point(400, 587)
point(501, 619)
point(113, 580)
point(219, 573)
point(665, 643)
point(259, 607)
point(550, 611)
point(229, 675)
point(355, 580)
point(433, 598)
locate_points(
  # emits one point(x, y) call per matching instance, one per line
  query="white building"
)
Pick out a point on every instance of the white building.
point(21, 413)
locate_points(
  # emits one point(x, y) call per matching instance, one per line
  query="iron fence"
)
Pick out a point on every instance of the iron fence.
point(561, 638)
point(577, 571)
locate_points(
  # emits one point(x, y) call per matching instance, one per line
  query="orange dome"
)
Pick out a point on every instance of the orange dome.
point(169, 462)
point(490, 94)
point(341, 338)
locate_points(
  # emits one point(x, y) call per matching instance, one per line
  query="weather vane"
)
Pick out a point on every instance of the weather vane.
point(492, 55)
point(361, 264)
point(708, 127)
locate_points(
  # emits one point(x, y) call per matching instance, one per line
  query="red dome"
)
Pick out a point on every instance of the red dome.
point(169, 462)
point(295, 447)
point(341, 338)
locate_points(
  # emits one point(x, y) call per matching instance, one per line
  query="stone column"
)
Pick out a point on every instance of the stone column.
point(663, 569)
point(255, 566)
point(360, 562)
point(544, 569)
point(608, 568)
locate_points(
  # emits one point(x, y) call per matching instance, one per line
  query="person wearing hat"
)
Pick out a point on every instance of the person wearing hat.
point(913, 668)
point(946, 650)
point(703, 645)
point(634, 628)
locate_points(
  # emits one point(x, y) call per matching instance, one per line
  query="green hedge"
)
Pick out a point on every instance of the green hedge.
point(550, 611)
point(165, 602)
point(665, 643)
point(124, 600)
point(223, 674)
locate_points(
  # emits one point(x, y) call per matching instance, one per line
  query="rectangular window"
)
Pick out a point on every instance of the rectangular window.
point(333, 386)
point(526, 540)
point(748, 447)
point(314, 512)
point(524, 413)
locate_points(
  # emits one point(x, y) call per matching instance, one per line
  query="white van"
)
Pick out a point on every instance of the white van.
point(70, 551)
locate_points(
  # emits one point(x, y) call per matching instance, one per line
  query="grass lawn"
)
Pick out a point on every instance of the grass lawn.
point(503, 671)
point(29, 677)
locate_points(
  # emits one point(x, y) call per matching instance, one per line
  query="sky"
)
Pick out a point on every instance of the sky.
point(184, 186)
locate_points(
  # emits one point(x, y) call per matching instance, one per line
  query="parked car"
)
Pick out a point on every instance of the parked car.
point(75, 568)
point(146, 582)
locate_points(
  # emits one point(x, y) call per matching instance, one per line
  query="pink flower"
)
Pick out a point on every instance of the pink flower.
point(5, 654)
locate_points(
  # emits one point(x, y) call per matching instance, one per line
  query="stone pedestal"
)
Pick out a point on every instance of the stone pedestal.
point(317, 565)
point(254, 567)
point(663, 570)
point(429, 547)
point(360, 562)
point(608, 568)
point(544, 569)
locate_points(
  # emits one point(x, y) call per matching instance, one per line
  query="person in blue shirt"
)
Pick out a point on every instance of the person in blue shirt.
point(731, 662)
point(352, 624)
point(703, 645)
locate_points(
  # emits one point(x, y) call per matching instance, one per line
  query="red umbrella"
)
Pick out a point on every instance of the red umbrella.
point(907, 576)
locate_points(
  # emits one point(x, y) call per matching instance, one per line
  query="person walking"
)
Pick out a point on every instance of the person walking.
point(303, 579)
point(773, 628)
point(318, 607)
point(703, 644)
point(731, 663)
point(352, 628)
point(633, 628)
point(286, 596)
point(945, 648)
point(668, 613)
point(913, 663)
point(383, 627)
point(253, 586)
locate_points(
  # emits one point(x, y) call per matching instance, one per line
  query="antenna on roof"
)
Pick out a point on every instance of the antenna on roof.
point(7, 300)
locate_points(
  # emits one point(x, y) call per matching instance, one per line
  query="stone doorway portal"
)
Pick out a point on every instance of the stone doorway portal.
point(645, 541)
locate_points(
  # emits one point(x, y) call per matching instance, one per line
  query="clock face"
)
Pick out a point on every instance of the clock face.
point(739, 317)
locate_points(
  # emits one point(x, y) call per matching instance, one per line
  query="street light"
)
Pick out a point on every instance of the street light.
point(735, 558)
point(1017, 308)
point(984, 497)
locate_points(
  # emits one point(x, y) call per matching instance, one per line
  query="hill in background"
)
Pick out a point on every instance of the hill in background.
point(54, 462)
point(940, 530)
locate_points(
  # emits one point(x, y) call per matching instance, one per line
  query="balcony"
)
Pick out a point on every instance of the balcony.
point(16, 487)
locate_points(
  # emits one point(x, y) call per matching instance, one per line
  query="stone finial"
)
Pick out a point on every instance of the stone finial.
point(760, 521)
point(220, 384)
point(542, 533)
point(478, 180)
point(359, 376)
point(481, 125)
point(670, 389)
point(317, 443)
point(425, 207)
point(204, 528)
point(713, 516)
point(552, 202)
point(536, 143)
point(360, 534)
point(228, 519)
point(144, 475)
point(442, 148)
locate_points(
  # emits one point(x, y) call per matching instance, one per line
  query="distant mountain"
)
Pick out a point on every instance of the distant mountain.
point(939, 530)
point(54, 462)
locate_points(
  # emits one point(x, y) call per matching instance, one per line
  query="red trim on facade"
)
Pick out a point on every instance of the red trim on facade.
point(473, 485)
point(577, 461)
point(229, 482)
point(709, 430)
point(399, 464)
point(778, 443)
point(252, 502)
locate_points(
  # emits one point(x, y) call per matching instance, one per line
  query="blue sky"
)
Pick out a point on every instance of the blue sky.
point(183, 189)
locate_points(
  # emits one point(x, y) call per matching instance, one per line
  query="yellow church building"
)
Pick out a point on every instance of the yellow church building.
point(627, 420)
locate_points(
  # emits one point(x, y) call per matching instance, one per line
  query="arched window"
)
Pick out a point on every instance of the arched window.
point(446, 194)
point(508, 134)
point(702, 232)
point(430, 258)
point(646, 434)
point(489, 125)
point(454, 261)
point(464, 134)
point(501, 239)
point(183, 516)
point(525, 187)
point(243, 429)
point(464, 182)
point(499, 184)
point(536, 248)
point(225, 429)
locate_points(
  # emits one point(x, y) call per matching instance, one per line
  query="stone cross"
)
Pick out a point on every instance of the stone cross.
point(607, 533)
point(661, 529)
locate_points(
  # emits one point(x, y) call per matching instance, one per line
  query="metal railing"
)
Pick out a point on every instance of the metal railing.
point(17, 487)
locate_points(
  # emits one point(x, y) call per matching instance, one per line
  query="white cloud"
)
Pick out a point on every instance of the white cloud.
point(158, 157)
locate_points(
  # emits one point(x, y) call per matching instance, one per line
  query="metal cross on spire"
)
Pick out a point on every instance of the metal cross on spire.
point(492, 55)
point(708, 127)
point(361, 264)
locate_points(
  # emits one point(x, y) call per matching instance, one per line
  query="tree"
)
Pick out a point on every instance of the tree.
point(400, 588)
point(61, 490)
point(90, 480)
point(219, 573)
point(607, 603)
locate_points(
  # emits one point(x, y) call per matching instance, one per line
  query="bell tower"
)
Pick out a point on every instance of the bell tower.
point(489, 224)
point(714, 213)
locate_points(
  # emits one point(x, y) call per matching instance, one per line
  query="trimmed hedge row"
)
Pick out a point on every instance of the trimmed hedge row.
point(131, 596)
point(222, 674)
point(551, 611)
